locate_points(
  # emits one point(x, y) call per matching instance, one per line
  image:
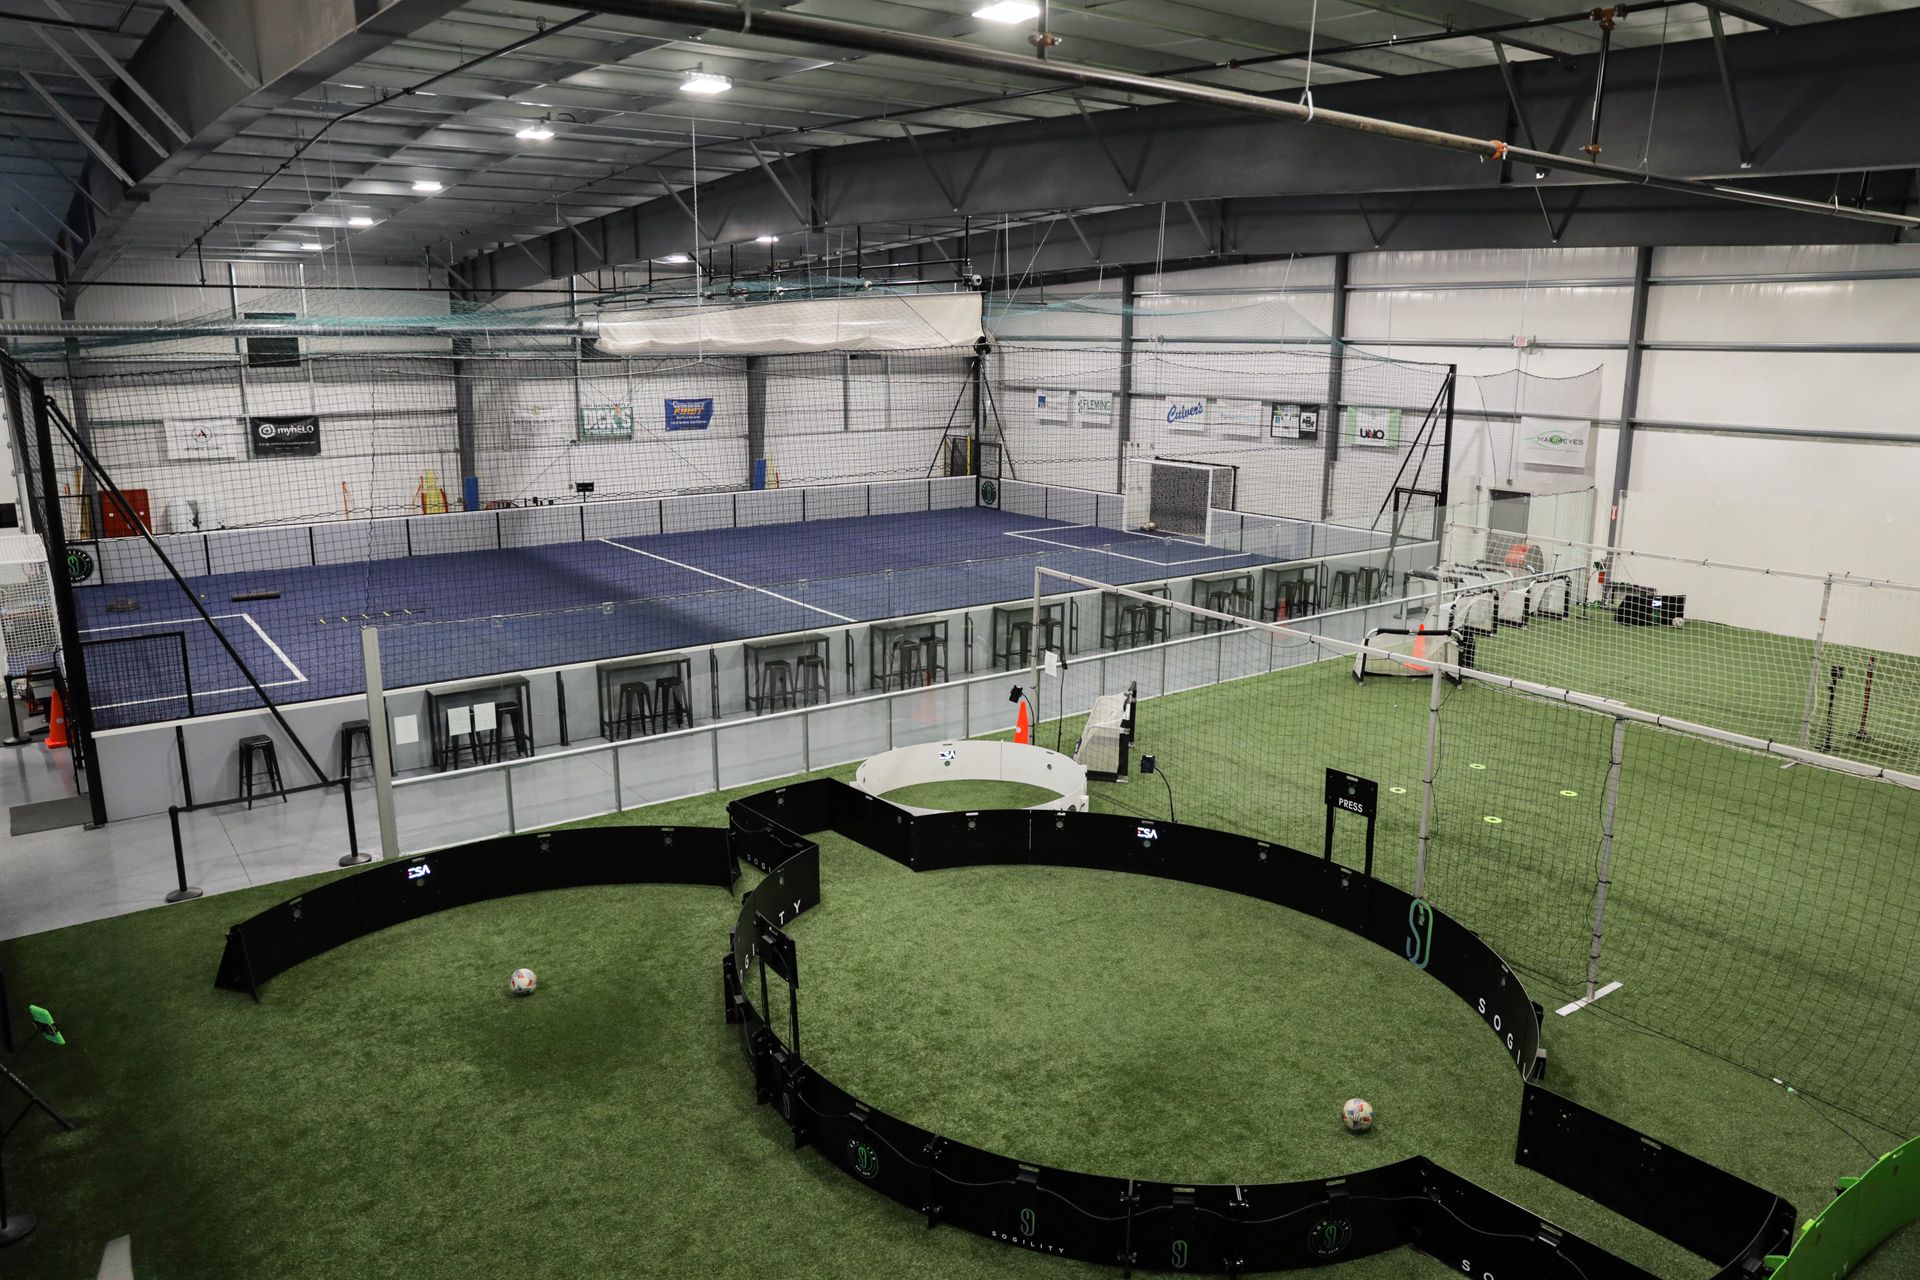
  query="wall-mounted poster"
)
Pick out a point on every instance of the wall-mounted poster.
point(1049, 406)
point(606, 422)
point(297, 436)
point(204, 439)
point(532, 422)
point(1374, 428)
point(1185, 413)
point(1554, 444)
point(693, 413)
point(1294, 422)
point(1093, 408)
point(1242, 418)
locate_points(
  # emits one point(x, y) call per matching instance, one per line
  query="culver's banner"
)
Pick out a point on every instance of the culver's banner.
point(1185, 413)
point(690, 414)
point(284, 437)
point(1554, 444)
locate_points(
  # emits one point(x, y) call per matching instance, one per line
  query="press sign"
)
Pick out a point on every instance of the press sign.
point(296, 437)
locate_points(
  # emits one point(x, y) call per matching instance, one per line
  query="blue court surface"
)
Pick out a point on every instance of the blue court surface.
point(470, 613)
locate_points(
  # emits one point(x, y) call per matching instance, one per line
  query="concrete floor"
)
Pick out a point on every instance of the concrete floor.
point(56, 878)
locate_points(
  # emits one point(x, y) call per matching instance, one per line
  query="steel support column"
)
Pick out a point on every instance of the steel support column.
point(1336, 360)
point(1630, 388)
point(1127, 279)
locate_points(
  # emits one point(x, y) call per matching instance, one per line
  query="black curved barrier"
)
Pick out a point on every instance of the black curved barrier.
point(1211, 1228)
point(1223, 1228)
point(388, 893)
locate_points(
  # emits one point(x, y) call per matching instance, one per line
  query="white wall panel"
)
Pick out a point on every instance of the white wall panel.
point(1825, 311)
point(1282, 273)
point(1750, 260)
point(1810, 391)
point(1559, 362)
point(1441, 266)
point(1549, 314)
point(1867, 479)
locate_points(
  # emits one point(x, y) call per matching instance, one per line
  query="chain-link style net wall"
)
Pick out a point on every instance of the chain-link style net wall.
point(1756, 897)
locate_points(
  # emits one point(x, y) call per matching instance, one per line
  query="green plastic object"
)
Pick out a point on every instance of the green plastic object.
point(1868, 1210)
point(44, 1020)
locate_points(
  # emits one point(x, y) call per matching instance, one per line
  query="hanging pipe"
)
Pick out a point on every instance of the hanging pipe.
point(712, 14)
point(1605, 18)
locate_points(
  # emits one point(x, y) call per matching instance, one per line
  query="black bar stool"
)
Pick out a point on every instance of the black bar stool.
point(670, 702)
point(1345, 583)
point(776, 685)
point(352, 733)
point(636, 703)
point(811, 671)
point(258, 752)
point(508, 713)
point(906, 663)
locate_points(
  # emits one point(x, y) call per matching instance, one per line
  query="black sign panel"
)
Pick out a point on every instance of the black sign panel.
point(1351, 794)
point(289, 437)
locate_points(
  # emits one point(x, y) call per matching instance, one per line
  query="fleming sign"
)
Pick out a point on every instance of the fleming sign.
point(297, 437)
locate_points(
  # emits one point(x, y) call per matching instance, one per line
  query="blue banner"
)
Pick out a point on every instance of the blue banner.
point(690, 415)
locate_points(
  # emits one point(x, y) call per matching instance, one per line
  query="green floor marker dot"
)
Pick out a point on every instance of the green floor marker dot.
point(1569, 794)
point(1476, 766)
point(1398, 791)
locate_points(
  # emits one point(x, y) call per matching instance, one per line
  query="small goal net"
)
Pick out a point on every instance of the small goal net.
point(1178, 497)
point(1420, 647)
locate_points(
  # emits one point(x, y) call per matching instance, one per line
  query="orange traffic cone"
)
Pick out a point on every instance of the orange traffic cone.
point(56, 723)
point(1020, 729)
point(1420, 646)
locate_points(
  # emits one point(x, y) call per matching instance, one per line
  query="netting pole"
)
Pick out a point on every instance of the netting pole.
point(1126, 382)
point(1426, 792)
point(1336, 361)
point(1033, 653)
point(1606, 853)
point(379, 741)
point(1813, 669)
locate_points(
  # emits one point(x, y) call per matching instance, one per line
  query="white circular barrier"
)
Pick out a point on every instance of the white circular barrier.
point(969, 761)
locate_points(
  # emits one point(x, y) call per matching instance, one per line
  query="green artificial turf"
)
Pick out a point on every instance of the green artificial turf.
point(389, 1109)
point(971, 793)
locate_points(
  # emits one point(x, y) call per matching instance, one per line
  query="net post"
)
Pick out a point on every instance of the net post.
point(1033, 653)
point(1426, 791)
point(1606, 853)
point(1125, 406)
point(1813, 668)
point(380, 740)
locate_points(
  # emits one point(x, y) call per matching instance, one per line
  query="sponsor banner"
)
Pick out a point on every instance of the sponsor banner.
point(1242, 418)
point(1093, 408)
point(1555, 445)
point(606, 422)
point(1049, 406)
point(1373, 428)
point(205, 439)
point(1184, 413)
point(1294, 422)
point(297, 436)
point(694, 413)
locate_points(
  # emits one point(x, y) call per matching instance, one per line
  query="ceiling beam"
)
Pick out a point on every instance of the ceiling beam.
point(1837, 96)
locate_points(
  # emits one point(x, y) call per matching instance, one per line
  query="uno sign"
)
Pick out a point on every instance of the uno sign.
point(297, 437)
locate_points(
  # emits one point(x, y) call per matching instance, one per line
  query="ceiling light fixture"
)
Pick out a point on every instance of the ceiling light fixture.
point(1008, 11)
point(310, 246)
point(704, 82)
point(359, 220)
point(676, 258)
point(766, 239)
point(427, 185)
point(538, 131)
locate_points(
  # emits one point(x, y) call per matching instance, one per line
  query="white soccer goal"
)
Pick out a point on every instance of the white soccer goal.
point(29, 629)
point(1423, 646)
point(1178, 498)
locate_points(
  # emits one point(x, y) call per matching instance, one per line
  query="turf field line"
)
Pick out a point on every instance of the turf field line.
point(734, 582)
point(299, 676)
point(1120, 555)
point(198, 693)
point(1577, 1005)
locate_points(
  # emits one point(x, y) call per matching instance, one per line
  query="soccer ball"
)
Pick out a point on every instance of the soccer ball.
point(523, 982)
point(1357, 1115)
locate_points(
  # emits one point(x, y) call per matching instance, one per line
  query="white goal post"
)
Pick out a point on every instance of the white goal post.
point(1449, 649)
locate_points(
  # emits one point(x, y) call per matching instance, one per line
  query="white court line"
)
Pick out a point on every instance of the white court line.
point(732, 582)
point(299, 676)
point(1143, 537)
point(1119, 555)
point(1584, 1001)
